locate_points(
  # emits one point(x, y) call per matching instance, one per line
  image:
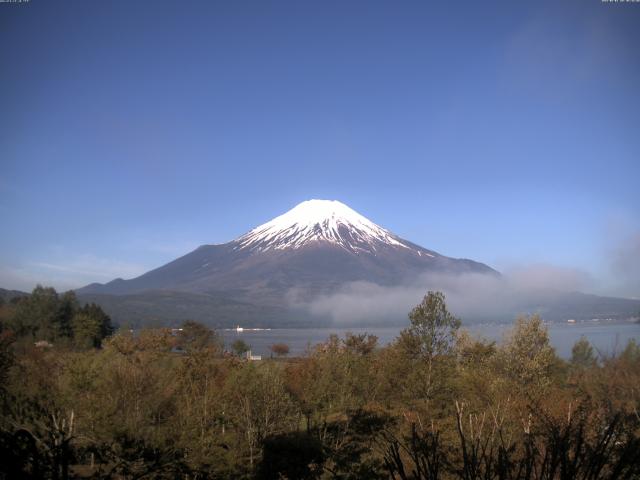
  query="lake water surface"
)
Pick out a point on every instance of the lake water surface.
point(606, 337)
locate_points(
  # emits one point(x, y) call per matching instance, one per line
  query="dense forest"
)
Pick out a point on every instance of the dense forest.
point(80, 400)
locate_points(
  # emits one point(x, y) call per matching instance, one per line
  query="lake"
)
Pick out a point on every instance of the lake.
point(606, 337)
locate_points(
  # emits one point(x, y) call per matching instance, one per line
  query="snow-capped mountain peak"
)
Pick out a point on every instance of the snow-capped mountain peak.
point(319, 221)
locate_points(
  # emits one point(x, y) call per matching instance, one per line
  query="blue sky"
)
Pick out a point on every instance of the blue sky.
point(134, 131)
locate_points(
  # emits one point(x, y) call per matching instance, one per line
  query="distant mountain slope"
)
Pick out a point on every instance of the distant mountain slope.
point(312, 250)
point(582, 306)
point(172, 308)
point(8, 295)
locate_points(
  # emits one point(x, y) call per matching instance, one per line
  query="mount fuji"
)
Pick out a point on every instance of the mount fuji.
point(313, 249)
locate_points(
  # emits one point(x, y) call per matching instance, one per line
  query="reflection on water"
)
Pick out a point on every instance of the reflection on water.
point(605, 337)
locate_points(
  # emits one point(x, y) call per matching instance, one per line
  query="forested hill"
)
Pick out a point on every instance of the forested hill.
point(8, 295)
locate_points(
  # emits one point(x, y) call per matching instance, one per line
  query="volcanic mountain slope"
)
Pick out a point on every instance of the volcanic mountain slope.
point(312, 249)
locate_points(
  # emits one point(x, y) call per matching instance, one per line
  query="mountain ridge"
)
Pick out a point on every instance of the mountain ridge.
point(314, 248)
point(317, 238)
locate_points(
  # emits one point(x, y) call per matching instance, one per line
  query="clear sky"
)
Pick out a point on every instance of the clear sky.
point(133, 131)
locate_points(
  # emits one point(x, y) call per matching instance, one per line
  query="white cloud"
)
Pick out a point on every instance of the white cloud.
point(468, 295)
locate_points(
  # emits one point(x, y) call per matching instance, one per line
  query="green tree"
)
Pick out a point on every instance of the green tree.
point(195, 337)
point(631, 352)
point(474, 366)
point(87, 331)
point(582, 354)
point(527, 356)
point(90, 326)
point(240, 347)
point(67, 308)
point(433, 328)
point(95, 311)
point(427, 347)
point(36, 316)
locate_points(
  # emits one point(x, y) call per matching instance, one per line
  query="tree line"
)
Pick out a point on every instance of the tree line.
point(48, 317)
point(437, 403)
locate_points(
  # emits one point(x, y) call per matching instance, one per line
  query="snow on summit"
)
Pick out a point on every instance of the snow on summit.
point(319, 221)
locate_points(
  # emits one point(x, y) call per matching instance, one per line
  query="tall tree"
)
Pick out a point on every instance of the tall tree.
point(240, 347)
point(196, 337)
point(35, 316)
point(67, 308)
point(87, 331)
point(582, 354)
point(95, 311)
point(428, 345)
point(527, 356)
point(433, 328)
